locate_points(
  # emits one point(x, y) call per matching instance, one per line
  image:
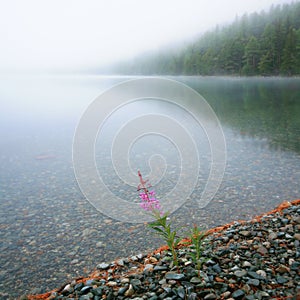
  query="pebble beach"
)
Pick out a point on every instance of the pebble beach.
point(256, 259)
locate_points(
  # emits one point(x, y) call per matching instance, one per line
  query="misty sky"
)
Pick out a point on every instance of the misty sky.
point(71, 34)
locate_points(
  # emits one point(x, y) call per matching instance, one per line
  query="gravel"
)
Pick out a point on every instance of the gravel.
point(257, 259)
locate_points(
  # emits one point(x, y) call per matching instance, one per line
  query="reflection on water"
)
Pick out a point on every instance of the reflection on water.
point(48, 229)
point(264, 108)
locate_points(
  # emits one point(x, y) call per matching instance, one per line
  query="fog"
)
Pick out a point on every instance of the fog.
point(72, 34)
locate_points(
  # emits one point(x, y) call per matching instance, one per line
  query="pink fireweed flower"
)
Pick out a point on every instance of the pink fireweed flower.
point(149, 201)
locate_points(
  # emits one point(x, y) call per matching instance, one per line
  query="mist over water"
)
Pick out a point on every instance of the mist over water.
point(43, 214)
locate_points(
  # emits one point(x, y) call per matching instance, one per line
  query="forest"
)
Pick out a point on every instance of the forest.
point(258, 44)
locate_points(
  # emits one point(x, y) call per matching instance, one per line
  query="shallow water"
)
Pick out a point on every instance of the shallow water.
point(48, 230)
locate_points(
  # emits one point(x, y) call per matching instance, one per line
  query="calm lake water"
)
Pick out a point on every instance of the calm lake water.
point(49, 232)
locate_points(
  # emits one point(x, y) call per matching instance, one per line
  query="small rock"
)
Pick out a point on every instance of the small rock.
point(135, 282)
point(195, 280)
point(148, 267)
point(98, 291)
point(204, 276)
point(246, 264)
point(246, 288)
point(51, 297)
point(291, 261)
point(100, 245)
point(282, 269)
point(261, 273)
point(130, 291)
point(120, 262)
point(84, 297)
point(172, 282)
point(86, 289)
point(217, 268)
point(174, 276)
point(192, 296)
point(181, 292)
point(264, 294)
point(297, 236)
point(122, 290)
point(140, 256)
point(235, 268)
point(112, 283)
point(225, 239)
point(254, 282)
point(103, 266)
point(226, 294)
point(167, 289)
point(238, 294)
point(90, 282)
point(87, 232)
point(160, 268)
point(163, 281)
point(110, 296)
point(134, 258)
point(240, 273)
point(67, 288)
point(254, 275)
point(79, 286)
point(210, 262)
point(125, 280)
point(210, 296)
point(245, 233)
point(262, 250)
point(74, 261)
point(272, 236)
point(295, 266)
point(281, 279)
point(289, 228)
point(152, 259)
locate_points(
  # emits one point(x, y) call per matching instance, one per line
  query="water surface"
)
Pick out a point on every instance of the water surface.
point(49, 232)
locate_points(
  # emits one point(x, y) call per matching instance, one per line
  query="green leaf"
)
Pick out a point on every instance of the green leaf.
point(160, 231)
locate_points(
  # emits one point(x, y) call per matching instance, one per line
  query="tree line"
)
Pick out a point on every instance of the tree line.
point(265, 44)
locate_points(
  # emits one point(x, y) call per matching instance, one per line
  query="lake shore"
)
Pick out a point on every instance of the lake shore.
point(257, 259)
point(50, 233)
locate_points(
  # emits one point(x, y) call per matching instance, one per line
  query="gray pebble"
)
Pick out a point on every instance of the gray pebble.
point(103, 266)
point(240, 273)
point(174, 276)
